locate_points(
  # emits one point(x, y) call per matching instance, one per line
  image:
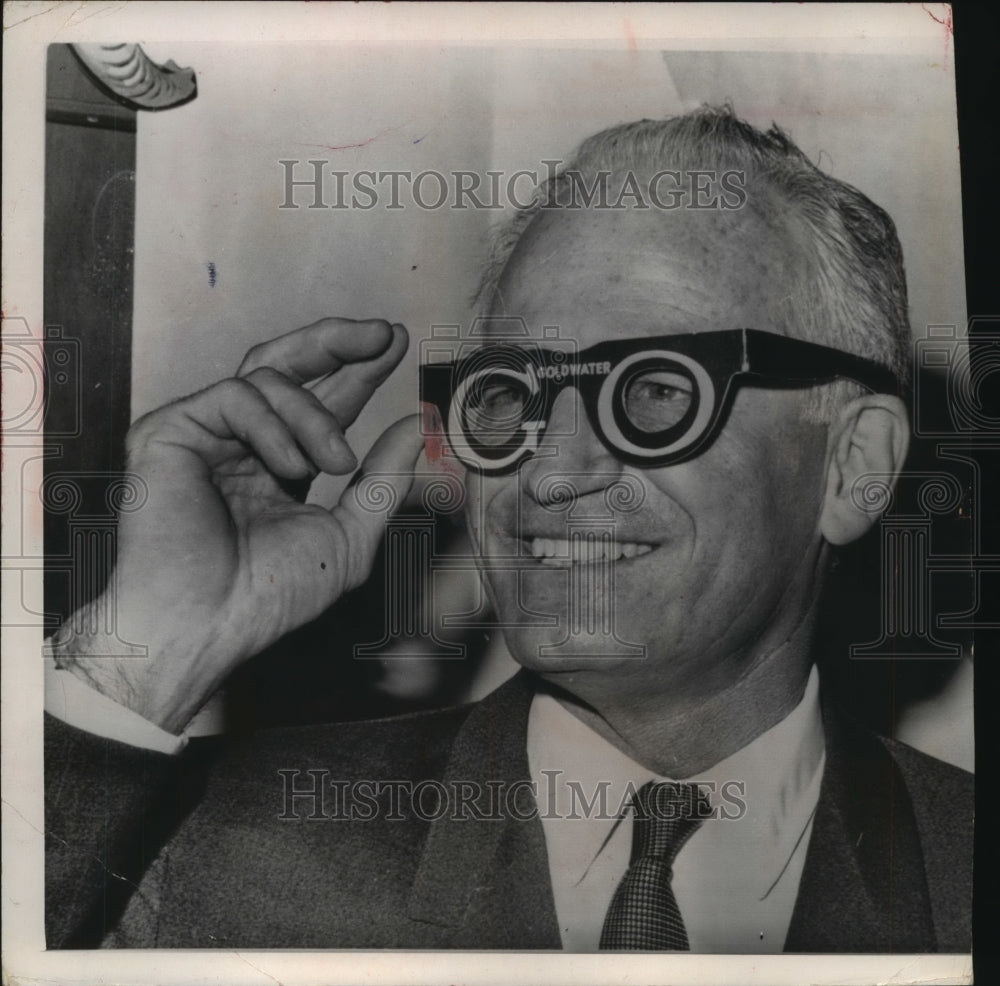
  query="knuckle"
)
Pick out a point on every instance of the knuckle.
point(234, 389)
point(139, 434)
point(263, 375)
point(254, 359)
point(234, 396)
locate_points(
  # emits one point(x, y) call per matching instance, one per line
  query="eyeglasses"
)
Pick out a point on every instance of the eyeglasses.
point(652, 401)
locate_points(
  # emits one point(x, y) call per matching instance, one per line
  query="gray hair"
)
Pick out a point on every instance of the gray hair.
point(853, 296)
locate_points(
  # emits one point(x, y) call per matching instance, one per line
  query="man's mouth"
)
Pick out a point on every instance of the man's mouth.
point(584, 551)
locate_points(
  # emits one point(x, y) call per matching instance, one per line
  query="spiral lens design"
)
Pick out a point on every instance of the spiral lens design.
point(664, 399)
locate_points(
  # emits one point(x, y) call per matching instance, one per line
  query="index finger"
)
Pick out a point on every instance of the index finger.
point(315, 350)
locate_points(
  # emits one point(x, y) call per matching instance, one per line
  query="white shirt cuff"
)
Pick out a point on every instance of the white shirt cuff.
point(77, 704)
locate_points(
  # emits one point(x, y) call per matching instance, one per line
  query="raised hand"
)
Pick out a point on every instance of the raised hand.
point(224, 557)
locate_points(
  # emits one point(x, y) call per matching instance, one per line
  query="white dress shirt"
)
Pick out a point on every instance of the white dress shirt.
point(735, 879)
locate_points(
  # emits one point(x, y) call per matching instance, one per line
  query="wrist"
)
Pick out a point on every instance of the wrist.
point(118, 670)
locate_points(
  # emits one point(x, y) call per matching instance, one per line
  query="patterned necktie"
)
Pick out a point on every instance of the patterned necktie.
point(643, 914)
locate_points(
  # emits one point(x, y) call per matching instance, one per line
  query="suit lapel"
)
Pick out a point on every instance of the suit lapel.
point(863, 888)
point(486, 881)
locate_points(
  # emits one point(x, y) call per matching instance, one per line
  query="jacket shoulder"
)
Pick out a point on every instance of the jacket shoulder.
point(927, 771)
point(405, 746)
point(318, 822)
point(943, 798)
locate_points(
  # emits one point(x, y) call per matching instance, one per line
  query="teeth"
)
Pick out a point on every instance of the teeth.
point(553, 551)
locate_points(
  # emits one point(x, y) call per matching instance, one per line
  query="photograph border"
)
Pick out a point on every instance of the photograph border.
point(29, 29)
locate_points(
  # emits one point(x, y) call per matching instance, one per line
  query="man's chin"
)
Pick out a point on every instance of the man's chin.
point(552, 650)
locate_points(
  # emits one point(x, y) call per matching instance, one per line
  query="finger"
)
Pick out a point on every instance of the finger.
point(347, 391)
point(364, 506)
point(312, 352)
point(224, 421)
point(315, 429)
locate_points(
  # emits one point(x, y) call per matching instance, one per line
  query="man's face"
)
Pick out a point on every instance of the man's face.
point(720, 558)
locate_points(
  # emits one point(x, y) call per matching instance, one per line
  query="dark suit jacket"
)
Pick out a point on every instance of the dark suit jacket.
point(888, 866)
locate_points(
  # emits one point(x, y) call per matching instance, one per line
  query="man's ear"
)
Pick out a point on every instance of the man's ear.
point(870, 437)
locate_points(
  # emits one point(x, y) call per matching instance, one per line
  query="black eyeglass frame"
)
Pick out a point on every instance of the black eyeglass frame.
point(717, 363)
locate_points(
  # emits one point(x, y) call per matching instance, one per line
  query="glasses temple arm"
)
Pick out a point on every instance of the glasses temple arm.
point(786, 358)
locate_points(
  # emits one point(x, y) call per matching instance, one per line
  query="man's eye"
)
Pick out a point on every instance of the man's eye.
point(657, 400)
point(661, 392)
point(494, 410)
point(500, 400)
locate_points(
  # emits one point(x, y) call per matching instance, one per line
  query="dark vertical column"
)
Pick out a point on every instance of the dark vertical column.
point(89, 237)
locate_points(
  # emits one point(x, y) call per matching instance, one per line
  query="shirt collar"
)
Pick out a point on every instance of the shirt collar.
point(765, 792)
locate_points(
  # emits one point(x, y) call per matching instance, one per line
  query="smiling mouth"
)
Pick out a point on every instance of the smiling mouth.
point(580, 551)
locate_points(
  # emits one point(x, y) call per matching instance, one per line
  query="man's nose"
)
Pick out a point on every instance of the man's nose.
point(572, 461)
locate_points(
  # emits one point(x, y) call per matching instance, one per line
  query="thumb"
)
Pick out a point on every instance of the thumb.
point(382, 484)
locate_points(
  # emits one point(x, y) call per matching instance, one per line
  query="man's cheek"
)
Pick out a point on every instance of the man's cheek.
point(485, 516)
point(474, 520)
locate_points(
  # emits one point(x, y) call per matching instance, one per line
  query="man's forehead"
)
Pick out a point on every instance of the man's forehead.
point(600, 273)
point(609, 244)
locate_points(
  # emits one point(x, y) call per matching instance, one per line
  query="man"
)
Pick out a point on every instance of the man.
point(696, 381)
